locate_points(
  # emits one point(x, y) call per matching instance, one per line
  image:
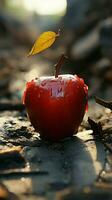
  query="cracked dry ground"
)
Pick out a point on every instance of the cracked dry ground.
point(76, 168)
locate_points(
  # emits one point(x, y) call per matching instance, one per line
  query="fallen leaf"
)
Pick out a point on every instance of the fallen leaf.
point(44, 41)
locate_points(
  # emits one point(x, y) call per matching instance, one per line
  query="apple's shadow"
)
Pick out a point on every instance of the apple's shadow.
point(66, 163)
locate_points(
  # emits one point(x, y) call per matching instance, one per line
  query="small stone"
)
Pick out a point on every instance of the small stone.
point(5, 194)
point(11, 158)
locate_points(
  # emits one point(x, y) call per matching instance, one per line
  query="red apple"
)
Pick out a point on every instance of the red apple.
point(56, 104)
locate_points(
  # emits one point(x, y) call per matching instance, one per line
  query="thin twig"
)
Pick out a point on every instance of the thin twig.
point(11, 106)
point(107, 104)
point(22, 173)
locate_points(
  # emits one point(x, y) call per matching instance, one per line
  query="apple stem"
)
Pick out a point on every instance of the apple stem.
point(59, 64)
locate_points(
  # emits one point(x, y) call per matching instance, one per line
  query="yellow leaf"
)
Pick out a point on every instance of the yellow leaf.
point(44, 41)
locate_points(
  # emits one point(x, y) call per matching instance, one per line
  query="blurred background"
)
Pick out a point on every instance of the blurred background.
point(86, 38)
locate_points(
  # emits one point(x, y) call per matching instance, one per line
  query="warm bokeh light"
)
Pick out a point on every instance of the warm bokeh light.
point(46, 7)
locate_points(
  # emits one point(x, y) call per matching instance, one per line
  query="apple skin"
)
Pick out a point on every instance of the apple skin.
point(56, 106)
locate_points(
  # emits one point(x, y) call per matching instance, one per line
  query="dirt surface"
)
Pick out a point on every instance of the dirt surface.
point(79, 167)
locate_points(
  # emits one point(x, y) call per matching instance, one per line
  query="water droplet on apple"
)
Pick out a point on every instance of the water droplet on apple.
point(59, 78)
point(39, 95)
point(51, 92)
point(82, 81)
point(59, 89)
point(43, 83)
